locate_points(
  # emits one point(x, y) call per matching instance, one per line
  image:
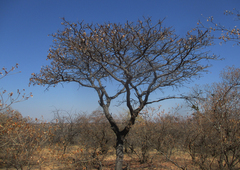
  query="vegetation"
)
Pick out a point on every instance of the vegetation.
point(227, 34)
point(7, 99)
point(209, 138)
point(138, 58)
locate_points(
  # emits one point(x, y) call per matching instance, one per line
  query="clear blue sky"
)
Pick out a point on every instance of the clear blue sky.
point(25, 24)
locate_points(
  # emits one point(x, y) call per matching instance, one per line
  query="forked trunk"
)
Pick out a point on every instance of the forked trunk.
point(119, 152)
point(120, 134)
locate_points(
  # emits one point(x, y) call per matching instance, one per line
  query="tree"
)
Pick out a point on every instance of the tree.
point(66, 128)
point(6, 102)
point(214, 138)
point(17, 138)
point(137, 58)
point(227, 34)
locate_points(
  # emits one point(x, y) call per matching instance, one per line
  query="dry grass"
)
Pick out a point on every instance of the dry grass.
point(77, 158)
point(54, 159)
point(51, 163)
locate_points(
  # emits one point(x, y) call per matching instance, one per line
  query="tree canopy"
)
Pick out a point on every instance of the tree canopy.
point(139, 58)
point(135, 56)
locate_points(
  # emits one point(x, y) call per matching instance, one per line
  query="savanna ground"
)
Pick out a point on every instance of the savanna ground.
point(53, 159)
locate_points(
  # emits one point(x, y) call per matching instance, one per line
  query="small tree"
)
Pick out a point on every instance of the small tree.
point(214, 138)
point(138, 59)
point(6, 102)
point(66, 128)
point(21, 140)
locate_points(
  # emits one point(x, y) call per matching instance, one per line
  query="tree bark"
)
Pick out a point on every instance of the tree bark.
point(119, 152)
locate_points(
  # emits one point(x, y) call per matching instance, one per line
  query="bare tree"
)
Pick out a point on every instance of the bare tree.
point(6, 100)
point(227, 33)
point(213, 141)
point(137, 58)
point(66, 125)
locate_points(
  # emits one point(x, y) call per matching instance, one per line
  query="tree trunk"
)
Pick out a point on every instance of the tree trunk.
point(119, 152)
point(125, 146)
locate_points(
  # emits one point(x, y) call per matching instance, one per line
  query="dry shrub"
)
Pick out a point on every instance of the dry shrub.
point(21, 140)
point(214, 136)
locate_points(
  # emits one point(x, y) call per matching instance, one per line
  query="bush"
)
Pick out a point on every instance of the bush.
point(21, 139)
point(214, 139)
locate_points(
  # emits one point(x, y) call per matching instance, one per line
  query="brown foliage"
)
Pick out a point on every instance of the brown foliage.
point(21, 140)
point(214, 136)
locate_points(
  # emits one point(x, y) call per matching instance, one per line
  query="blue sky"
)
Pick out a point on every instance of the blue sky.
point(25, 24)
